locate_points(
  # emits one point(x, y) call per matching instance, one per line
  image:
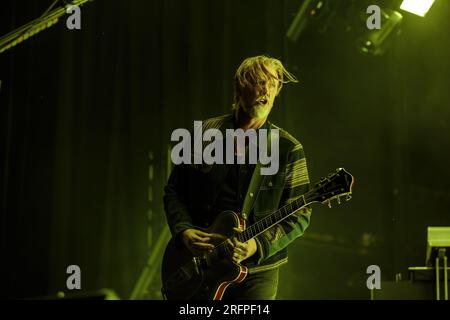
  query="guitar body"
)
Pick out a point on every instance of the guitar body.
point(207, 277)
point(202, 278)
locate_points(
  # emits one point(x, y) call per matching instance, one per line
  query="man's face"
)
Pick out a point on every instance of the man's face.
point(257, 100)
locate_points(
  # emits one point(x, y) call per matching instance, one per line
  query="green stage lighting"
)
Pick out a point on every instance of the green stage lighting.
point(419, 7)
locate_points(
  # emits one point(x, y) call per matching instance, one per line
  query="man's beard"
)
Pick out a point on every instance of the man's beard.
point(257, 111)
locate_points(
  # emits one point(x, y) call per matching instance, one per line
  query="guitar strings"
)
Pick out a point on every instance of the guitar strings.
point(252, 231)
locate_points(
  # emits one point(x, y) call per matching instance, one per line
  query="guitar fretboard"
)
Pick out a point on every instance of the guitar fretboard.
point(271, 220)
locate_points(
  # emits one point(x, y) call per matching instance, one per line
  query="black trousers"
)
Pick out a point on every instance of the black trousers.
point(258, 286)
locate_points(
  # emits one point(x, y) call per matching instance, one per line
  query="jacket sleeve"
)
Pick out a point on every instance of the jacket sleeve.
point(177, 214)
point(296, 184)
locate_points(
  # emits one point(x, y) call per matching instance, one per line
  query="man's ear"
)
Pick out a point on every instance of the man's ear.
point(279, 87)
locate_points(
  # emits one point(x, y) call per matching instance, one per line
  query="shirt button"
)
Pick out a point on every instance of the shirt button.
point(251, 194)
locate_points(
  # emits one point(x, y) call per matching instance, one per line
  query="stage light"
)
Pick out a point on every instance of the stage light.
point(418, 7)
point(375, 42)
point(311, 14)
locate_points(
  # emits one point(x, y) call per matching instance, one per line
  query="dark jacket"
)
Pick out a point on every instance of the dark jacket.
point(191, 190)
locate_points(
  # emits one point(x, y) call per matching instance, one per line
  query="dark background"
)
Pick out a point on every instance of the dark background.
point(86, 117)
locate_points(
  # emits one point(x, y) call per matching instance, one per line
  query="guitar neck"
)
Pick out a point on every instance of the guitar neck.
point(272, 219)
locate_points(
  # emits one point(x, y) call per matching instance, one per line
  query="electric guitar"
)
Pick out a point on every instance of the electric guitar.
point(206, 277)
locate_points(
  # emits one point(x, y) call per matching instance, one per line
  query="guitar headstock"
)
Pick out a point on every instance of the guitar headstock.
point(336, 185)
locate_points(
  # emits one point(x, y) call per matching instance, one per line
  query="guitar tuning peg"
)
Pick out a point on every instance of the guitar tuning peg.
point(349, 196)
point(329, 203)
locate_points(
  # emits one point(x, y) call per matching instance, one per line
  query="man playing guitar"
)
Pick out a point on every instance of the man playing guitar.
point(195, 195)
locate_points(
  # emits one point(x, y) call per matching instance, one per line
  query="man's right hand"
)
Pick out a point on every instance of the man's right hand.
point(197, 241)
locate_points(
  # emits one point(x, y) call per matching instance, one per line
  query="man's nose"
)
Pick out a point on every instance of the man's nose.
point(263, 89)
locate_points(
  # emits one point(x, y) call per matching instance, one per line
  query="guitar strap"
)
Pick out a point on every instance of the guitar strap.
point(255, 182)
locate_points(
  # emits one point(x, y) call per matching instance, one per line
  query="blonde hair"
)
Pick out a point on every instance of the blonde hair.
point(254, 69)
